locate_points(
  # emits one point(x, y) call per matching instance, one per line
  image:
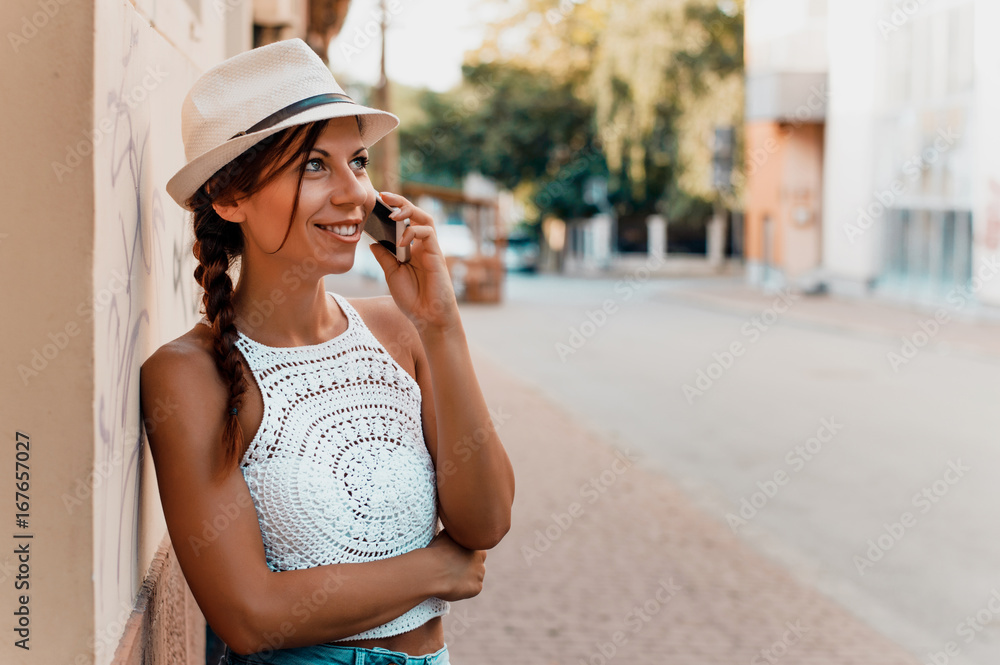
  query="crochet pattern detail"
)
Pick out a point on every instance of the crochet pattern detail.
point(339, 471)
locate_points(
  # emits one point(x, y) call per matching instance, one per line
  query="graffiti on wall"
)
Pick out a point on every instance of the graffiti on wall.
point(140, 236)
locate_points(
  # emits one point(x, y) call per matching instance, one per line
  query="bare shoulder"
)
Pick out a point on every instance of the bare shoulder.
point(380, 311)
point(183, 399)
point(187, 355)
point(389, 325)
point(181, 377)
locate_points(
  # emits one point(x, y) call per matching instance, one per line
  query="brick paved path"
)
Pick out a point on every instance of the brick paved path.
point(606, 562)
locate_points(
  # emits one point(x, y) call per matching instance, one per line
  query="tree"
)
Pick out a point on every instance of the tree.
point(667, 67)
point(519, 127)
point(630, 91)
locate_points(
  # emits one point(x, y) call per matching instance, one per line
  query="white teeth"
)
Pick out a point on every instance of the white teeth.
point(342, 230)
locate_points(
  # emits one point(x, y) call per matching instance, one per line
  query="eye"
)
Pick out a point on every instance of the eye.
point(317, 161)
point(360, 163)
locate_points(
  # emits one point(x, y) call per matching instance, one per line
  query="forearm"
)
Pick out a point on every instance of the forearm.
point(325, 603)
point(475, 479)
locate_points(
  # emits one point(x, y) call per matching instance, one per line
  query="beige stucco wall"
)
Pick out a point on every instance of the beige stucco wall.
point(97, 263)
point(147, 57)
point(139, 78)
point(46, 258)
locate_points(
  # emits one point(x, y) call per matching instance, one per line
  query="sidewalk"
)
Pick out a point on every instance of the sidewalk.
point(642, 265)
point(607, 562)
point(961, 327)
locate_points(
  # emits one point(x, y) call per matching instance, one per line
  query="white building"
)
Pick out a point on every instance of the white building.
point(911, 203)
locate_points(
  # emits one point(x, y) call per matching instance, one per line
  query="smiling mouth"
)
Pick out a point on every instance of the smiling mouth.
point(344, 231)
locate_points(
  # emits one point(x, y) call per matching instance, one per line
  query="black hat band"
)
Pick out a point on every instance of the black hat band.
point(294, 109)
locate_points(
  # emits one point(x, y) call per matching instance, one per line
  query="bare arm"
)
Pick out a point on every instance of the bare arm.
point(475, 478)
point(214, 531)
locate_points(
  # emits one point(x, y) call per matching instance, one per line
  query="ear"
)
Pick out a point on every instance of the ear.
point(231, 212)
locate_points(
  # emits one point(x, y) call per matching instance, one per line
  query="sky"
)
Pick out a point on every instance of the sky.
point(425, 41)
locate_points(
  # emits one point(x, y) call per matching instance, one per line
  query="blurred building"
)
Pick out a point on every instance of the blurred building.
point(315, 21)
point(892, 187)
point(913, 205)
point(786, 105)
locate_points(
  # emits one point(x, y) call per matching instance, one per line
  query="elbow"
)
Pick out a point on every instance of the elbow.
point(485, 539)
point(239, 650)
point(482, 531)
point(498, 533)
point(490, 535)
point(494, 539)
point(239, 638)
point(243, 630)
point(249, 639)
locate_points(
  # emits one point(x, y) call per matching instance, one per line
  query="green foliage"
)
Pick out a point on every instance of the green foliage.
point(720, 47)
point(536, 131)
point(511, 124)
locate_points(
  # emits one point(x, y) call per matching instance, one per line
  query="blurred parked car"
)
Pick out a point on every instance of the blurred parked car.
point(521, 254)
point(453, 235)
point(455, 239)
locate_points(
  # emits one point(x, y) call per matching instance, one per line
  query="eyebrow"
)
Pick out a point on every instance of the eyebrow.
point(326, 154)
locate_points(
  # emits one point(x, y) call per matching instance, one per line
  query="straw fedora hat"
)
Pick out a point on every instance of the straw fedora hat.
point(253, 95)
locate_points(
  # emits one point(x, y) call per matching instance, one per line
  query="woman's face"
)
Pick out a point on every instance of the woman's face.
point(335, 198)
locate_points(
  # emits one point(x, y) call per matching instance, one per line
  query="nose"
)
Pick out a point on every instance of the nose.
point(348, 190)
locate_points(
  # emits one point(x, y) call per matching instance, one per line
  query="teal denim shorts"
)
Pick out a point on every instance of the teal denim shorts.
point(331, 654)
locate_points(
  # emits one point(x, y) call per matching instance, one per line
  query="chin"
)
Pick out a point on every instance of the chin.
point(338, 270)
point(339, 267)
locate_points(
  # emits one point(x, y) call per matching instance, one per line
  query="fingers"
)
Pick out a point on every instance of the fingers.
point(406, 209)
point(385, 259)
point(425, 234)
point(395, 200)
point(411, 232)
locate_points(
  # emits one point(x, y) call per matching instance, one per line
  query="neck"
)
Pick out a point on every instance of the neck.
point(290, 308)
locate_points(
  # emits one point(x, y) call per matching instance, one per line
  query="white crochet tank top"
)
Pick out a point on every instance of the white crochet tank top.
point(339, 471)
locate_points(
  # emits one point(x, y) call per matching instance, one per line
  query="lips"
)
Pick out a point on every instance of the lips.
point(354, 237)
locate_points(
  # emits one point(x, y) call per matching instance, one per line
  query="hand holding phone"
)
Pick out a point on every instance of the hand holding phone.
point(386, 231)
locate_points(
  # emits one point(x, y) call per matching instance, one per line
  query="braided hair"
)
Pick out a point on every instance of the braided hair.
point(219, 244)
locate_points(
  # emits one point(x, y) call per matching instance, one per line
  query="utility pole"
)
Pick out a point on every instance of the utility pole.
point(387, 149)
point(722, 173)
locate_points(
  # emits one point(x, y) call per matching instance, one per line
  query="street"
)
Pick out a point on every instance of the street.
point(850, 443)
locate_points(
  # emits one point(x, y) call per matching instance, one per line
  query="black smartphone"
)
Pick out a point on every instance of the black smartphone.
point(387, 231)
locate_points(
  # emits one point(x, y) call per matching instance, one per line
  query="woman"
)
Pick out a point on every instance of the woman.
point(315, 442)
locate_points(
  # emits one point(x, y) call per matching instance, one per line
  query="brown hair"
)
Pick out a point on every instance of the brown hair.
point(219, 243)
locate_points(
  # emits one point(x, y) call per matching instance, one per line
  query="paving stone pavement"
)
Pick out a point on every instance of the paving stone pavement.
point(607, 562)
